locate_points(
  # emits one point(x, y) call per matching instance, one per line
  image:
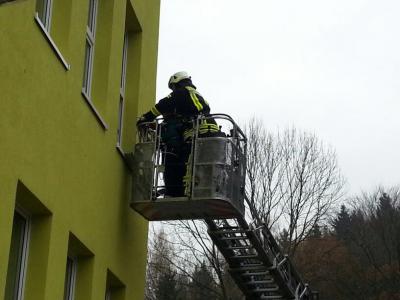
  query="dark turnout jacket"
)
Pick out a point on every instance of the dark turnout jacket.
point(185, 102)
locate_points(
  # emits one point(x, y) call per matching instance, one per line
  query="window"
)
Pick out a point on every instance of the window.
point(78, 271)
point(115, 289)
point(44, 12)
point(122, 91)
point(120, 121)
point(43, 9)
point(108, 294)
point(89, 49)
point(18, 257)
point(70, 278)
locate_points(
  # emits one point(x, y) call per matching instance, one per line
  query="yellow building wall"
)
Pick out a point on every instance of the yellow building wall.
point(58, 162)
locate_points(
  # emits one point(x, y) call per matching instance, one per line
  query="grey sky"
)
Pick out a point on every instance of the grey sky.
point(329, 67)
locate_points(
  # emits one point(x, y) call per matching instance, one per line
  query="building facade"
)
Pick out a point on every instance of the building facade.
point(74, 76)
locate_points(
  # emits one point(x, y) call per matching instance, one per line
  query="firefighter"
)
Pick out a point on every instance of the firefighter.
point(179, 109)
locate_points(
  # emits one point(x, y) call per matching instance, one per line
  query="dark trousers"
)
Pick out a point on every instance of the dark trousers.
point(176, 161)
point(177, 175)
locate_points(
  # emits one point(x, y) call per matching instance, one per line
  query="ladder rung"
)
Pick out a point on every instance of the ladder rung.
point(234, 238)
point(257, 267)
point(239, 247)
point(229, 231)
point(266, 281)
point(270, 297)
point(228, 227)
point(253, 265)
point(245, 256)
point(247, 273)
point(263, 290)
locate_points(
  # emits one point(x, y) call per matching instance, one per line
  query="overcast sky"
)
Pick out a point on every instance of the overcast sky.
point(328, 67)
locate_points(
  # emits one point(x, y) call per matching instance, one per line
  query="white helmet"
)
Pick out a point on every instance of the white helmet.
point(174, 79)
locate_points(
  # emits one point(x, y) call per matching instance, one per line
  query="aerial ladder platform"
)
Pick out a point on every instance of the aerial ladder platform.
point(217, 167)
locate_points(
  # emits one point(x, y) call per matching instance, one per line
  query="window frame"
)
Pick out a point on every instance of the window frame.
point(47, 14)
point(108, 294)
point(89, 60)
point(19, 288)
point(70, 278)
point(120, 121)
point(89, 51)
point(122, 91)
point(45, 26)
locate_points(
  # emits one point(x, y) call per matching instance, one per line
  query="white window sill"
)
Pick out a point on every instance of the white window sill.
point(66, 65)
point(94, 110)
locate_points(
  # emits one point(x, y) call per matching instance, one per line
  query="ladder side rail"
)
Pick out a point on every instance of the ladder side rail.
point(229, 254)
point(264, 255)
point(282, 262)
point(265, 260)
point(286, 270)
point(270, 258)
point(285, 266)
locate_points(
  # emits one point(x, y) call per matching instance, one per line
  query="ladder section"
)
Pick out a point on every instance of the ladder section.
point(256, 262)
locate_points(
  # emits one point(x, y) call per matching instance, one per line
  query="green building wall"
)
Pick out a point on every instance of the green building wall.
point(58, 157)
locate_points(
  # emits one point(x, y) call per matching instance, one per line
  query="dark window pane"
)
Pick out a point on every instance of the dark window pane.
point(124, 63)
point(16, 257)
point(86, 72)
point(43, 10)
point(92, 16)
point(69, 280)
point(120, 121)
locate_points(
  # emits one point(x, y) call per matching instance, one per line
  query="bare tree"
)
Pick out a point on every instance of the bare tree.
point(161, 274)
point(264, 173)
point(195, 248)
point(185, 247)
point(293, 180)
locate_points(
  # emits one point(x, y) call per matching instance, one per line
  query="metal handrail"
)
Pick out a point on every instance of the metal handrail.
point(150, 132)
